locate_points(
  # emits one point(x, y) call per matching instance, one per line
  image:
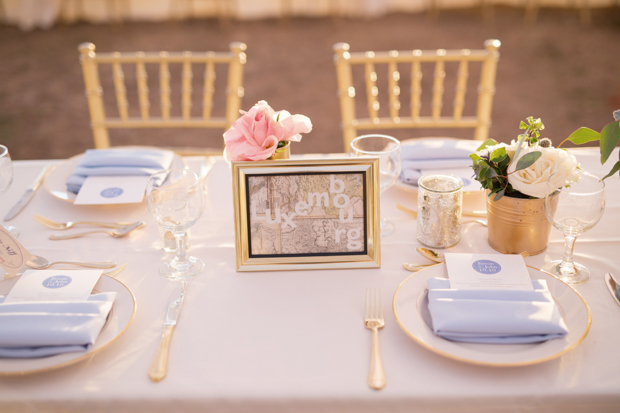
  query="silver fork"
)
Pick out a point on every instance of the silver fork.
point(374, 320)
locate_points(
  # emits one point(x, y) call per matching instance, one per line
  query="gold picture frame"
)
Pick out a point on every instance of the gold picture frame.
point(307, 214)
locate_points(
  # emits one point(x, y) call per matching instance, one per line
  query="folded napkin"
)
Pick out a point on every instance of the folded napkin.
point(494, 316)
point(40, 329)
point(433, 154)
point(118, 162)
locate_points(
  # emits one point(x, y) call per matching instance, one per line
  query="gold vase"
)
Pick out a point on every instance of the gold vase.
point(517, 225)
point(282, 153)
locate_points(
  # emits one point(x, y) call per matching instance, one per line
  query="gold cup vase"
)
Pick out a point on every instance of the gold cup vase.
point(517, 225)
point(282, 153)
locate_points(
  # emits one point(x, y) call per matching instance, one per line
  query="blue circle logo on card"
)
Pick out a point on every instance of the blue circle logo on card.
point(58, 281)
point(111, 192)
point(486, 267)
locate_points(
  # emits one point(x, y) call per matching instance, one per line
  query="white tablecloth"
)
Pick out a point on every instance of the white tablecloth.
point(295, 341)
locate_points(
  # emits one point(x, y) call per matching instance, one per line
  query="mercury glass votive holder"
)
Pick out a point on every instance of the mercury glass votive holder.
point(440, 202)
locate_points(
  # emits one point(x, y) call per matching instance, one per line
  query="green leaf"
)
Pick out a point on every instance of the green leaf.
point(583, 135)
point(609, 139)
point(492, 173)
point(498, 155)
point(488, 142)
point(527, 160)
point(615, 169)
point(523, 125)
point(499, 195)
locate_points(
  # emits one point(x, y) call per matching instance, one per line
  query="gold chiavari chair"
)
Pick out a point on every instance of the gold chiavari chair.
point(413, 60)
point(100, 123)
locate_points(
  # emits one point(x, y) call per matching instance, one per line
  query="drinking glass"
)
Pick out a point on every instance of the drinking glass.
point(6, 178)
point(387, 149)
point(175, 199)
point(440, 203)
point(573, 209)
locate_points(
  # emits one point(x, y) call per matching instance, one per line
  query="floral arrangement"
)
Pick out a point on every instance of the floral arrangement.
point(522, 169)
point(261, 132)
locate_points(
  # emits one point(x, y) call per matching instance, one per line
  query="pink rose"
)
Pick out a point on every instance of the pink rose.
point(255, 135)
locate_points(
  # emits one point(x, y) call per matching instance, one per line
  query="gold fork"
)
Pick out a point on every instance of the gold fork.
point(60, 226)
point(374, 321)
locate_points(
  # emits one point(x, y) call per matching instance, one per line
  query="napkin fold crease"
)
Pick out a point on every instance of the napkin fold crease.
point(494, 316)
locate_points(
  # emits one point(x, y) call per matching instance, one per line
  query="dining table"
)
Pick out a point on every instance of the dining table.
point(295, 341)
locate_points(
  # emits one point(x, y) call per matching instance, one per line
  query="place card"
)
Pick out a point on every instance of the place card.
point(13, 255)
point(102, 190)
point(53, 285)
point(488, 272)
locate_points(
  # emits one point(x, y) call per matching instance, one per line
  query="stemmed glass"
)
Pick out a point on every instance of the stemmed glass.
point(387, 149)
point(573, 209)
point(6, 178)
point(175, 199)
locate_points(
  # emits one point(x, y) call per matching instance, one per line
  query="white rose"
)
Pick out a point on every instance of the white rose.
point(532, 181)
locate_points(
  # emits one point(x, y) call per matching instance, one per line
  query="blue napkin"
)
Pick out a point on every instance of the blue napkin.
point(433, 154)
point(40, 329)
point(119, 162)
point(494, 316)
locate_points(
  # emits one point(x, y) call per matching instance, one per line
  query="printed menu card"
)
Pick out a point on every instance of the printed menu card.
point(13, 255)
point(488, 272)
point(53, 285)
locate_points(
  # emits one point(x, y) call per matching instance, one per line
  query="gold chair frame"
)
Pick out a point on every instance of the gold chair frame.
point(235, 59)
point(344, 60)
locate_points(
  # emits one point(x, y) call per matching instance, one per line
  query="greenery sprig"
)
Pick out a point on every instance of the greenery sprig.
point(491, 169)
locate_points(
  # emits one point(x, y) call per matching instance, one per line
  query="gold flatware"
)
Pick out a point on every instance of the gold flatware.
point(374, 320)
point(613, 287)
point(464, 213)
point(415, 267)
point(113, 273)
point(61, 226)
point(121, 232)
point(159, 367)
point(40, 263)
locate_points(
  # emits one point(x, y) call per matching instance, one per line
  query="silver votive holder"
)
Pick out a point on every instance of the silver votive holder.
point(440, 201)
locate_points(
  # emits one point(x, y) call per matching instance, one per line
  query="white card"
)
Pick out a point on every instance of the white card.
point(97, 190)
point(53, 285)
point(488, 272)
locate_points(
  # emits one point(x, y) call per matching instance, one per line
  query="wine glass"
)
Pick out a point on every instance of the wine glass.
point(6, 178)
point(387, 149)
point(175, 199)
point(573, 209)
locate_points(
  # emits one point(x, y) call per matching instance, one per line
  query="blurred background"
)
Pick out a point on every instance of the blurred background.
point(559, 61)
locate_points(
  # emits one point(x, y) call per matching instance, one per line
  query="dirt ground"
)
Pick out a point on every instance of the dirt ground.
point(556, 70)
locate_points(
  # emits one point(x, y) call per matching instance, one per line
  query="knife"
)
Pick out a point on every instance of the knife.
point(159, 367)
point(613, 286)
point(27, 196)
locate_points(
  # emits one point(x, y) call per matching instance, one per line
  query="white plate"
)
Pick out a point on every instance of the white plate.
point(55, 182)
point(120, 318)
point(410, 308)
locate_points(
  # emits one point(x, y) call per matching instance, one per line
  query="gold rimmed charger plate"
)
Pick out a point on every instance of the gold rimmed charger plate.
point(410, 309)
point(121, 316)
point(55, 181)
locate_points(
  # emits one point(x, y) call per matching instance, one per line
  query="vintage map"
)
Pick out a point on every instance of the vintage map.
point(306, 214)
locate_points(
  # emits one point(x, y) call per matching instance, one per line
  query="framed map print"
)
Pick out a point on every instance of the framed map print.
point(306, 214)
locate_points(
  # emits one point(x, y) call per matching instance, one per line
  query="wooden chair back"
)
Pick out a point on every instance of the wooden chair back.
point(100, 123)
point(413, 59)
